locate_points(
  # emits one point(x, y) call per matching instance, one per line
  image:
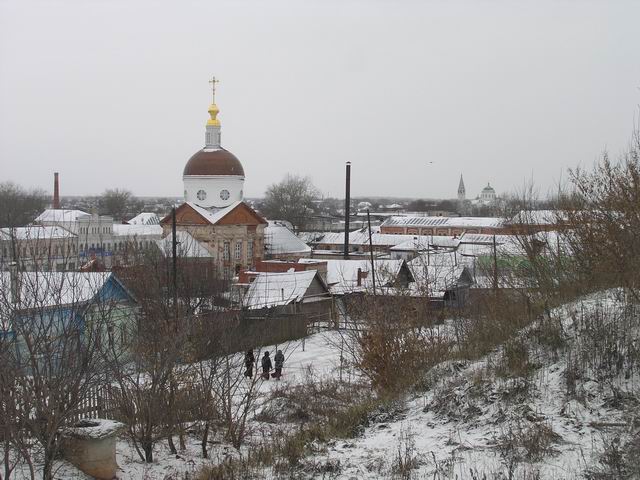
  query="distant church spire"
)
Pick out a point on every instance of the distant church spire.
point(212, 135)
point(462, 194)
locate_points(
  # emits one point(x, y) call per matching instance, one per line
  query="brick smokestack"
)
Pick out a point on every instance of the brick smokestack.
point(56, 191)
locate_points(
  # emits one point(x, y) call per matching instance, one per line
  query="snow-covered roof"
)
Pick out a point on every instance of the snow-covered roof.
point(274, 289)
point(342, 275)
point(278, 239)
point(361, 237)
point(120, 230)
point(451, 222)
point(47, 289)
point(483, 239)
point(422, 242)
point(538, 217)
point(439, 273)
point(505, 245)
point(52, 215)
point(35, 232)
point(310, 237)
point(145, 218)
point(188, 247)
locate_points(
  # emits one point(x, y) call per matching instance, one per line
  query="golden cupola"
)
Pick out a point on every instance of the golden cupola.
point(213, 113)
point(213, 135)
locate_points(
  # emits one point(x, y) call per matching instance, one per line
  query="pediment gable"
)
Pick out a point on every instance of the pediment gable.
point(242, 214)
point(186, 215)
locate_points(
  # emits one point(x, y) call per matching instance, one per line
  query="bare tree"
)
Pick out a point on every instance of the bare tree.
point(119, 203)
point(603, 225)
point(52, 326)
point(292, 200)
point(19, 206)
point(151, 373)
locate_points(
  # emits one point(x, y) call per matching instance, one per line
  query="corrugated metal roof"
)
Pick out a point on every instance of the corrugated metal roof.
point(451, 222)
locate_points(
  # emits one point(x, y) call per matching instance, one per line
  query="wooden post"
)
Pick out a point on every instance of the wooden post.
point(373, 266)
point(347, 208)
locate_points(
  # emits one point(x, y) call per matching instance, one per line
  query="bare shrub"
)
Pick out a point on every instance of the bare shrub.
point(601, 213)
point(549, 334)
point(314, 399)
point(405, 459)
point(618, 460)
point(514, 360)
point(530, 443)
point(389, 343)
point(492, 320)
point(607, 341)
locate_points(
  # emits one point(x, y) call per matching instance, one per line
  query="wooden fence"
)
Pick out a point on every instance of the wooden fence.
point(97, 403)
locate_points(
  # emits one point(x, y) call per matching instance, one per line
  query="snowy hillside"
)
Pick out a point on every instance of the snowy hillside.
point(557, 401)
point(480, 420)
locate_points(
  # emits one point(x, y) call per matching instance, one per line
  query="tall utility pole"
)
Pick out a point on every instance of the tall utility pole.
point(373, 265)
point(347, 208)
point(495, 265)
point(174, 252)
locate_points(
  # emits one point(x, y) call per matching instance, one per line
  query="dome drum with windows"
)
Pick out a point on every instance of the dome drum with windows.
point(213, 176)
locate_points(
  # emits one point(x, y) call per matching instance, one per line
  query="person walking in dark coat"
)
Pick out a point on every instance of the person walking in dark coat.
point(279, 362)
point(266, 366)
point(249, 360)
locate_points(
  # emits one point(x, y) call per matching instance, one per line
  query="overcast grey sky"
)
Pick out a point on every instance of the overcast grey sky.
point(114, 93)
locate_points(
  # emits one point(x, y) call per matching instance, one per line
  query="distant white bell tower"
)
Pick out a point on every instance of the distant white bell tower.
point(462, 193)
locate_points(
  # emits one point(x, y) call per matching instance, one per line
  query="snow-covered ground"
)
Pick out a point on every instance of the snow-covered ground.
point(471, 423)
point(467, 421)
point(318, 352)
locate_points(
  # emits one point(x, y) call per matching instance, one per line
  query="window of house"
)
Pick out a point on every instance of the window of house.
point(250, 250)
point(226, 251)
point(238, 255)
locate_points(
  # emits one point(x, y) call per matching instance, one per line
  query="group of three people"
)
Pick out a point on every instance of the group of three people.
point(267, 366)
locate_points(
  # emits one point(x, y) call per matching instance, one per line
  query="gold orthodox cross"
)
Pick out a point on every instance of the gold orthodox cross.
point(213, 82)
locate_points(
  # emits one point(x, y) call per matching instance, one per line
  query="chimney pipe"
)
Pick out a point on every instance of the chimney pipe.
point(347, 207)
point(56, 191)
